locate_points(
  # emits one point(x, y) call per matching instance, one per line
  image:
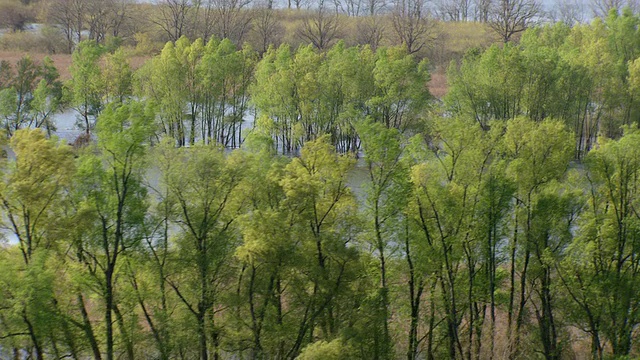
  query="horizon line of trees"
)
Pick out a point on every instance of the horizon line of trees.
point(402, 21)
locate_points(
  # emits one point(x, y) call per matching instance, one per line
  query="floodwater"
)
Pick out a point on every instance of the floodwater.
point(68, 131)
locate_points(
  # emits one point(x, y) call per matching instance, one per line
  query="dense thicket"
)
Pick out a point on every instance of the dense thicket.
point(503, 226)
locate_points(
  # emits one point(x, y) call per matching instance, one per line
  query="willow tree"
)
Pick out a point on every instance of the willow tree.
point(446, 196)
point(540, 154)
point(112, 206)
point(400, 89)
point(610, 230)
point(323, 211)
point(203, 184)
point(33, 194)
point(86, 88)
point(225, 74)
point(387, 190)
point(162, 82)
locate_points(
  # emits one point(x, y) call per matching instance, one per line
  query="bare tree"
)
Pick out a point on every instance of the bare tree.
point(320, 29)
point(601, 8)
point(411, 24)
point(350, 7)
point(482, 10)
point(266, 28)
point(297, 3)
point(453, 10)
point(375, 7)
point(569, 12)
point(106, 17)
point(68, 15)
point(97, 18)
point(370, 31)
point(14, 15)
point(230, 19)
point(173, 17)
point(509, 17)
point(120, 13)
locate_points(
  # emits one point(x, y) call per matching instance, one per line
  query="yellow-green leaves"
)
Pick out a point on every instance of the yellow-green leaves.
point(541, 151)
point(33, 189)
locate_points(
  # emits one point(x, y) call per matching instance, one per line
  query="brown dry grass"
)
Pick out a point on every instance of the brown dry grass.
point(438, 84)
point(61, 61)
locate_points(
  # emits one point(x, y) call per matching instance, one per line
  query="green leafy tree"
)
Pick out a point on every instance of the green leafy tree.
point(386, 199)
point(112, 206)
point(610, 231)
point(446, 189)
point(162, 82)
point(86, 88)
point(541, 154)
point(323, 210)
point(32, 195)
point(33, 94)
point(401, 92)
point(203, 185)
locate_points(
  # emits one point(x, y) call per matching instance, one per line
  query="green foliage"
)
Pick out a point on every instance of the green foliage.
point(308, 93)
point(333, 350)
point(503, 228)
point(582, 76)
point(86, 88)
point(29, 96)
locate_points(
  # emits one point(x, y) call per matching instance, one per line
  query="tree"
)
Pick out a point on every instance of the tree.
point(510, 17)
point(323, 210)
point(163, 81)
point(400, 93)
point(32, 191)
point(269, 253)
point(173, 18)
point(488, 86)
point(482, 10)
point(112, 208)
point(446, 195)
point(32, 196)
point(224, 76)
point(541, 154)
point(48, 98)
point(231, 19)
point(117, 78)
point(386, 199)
point(16, 100)
point(69, 15)
point(611, 270)
point(411, 24)
point(86, 86)
point(454, 10)
point(34, 93)
point(570, 12)
point(14, 14)
point(321, 29)
point(267, 28)
point(602, 8)
point(371, 30)
point(207, 207)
